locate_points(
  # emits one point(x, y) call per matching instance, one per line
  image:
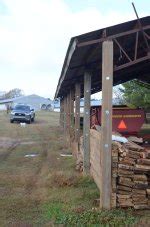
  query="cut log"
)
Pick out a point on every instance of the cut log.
point(138, 196)
point(115, 159)
point(127, 161)
point(125, 181)
point(138, 191)
point(125, 203)
point(114, 164)
point(124, 188)
point(141, 207)
point(140, 202)
point(121, 192)
point(114, 172)
point(140, 186)
point(113, 200)
point(143, 155)
point(133, 146)
point(124, 196)
point(114, 184)
point(148, 191)
point(142, 167)
point(140, 177)
point(135, 157)
point(136, 153)
point(148, 154)
point(135, 139)
point(144, 161)
point(122, 166)
point(123, 172)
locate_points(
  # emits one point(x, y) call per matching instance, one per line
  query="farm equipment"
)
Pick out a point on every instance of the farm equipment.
point(125, 120)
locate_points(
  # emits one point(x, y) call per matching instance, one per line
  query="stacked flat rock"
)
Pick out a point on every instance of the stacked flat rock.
point(130, 176)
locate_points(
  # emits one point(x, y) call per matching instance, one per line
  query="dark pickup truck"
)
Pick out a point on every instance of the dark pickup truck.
point(22, 113)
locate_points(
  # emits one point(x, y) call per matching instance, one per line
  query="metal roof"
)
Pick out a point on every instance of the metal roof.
point(131, 56)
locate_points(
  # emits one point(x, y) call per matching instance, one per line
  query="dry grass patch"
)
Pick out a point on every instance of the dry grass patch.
point(45, 190)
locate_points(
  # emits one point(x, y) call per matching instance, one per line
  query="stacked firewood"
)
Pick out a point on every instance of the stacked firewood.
point(79, 156)
point(130, 176)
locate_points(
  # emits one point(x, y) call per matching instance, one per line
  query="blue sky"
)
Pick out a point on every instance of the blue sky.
point(35, 35)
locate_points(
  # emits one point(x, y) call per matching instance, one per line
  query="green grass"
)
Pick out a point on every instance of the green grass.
point(46, 190)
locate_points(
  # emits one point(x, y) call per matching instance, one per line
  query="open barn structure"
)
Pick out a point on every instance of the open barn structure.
point(96, 61)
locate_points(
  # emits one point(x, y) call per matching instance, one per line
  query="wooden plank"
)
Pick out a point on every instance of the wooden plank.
point(106, 127)
point(86, 123)
point(96, 176)
point(77, 112)
point(95, 134)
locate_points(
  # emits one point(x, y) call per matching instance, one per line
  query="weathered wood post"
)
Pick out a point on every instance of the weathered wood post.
point(72, 97)
point(77, 112)
point(86, 123)
point(62, 112)
point(106, 127)
point(68, 116)
point(65, 115)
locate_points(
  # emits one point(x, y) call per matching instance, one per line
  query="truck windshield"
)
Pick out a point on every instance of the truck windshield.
point(21, 107)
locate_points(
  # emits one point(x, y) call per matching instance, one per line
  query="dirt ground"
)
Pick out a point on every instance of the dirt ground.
point(44, 189)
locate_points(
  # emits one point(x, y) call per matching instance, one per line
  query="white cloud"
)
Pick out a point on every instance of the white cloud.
point(34, 38)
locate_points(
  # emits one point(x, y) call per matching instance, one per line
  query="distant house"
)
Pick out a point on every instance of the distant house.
point(37, 102)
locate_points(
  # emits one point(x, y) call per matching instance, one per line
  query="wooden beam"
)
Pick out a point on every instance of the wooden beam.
point(145, 58)
point(77, 112)
point(86, 122)
point(106, 127)
point(91, 42)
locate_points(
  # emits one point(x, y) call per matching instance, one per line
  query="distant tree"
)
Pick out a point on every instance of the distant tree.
point(118, 95)
point(14, 93)
point(136, 95)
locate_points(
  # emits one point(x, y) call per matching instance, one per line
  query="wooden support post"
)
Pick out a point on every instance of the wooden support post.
point(86, 122)
point(106, 127)
point(72, 97)
point(65, 115)
point(62, 112)
point(68, 117)
point(77, 112)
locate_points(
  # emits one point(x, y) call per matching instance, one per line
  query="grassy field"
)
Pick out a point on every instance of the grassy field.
point(45, 190)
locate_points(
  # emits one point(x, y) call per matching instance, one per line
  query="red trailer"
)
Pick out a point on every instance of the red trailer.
point(125, 120)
